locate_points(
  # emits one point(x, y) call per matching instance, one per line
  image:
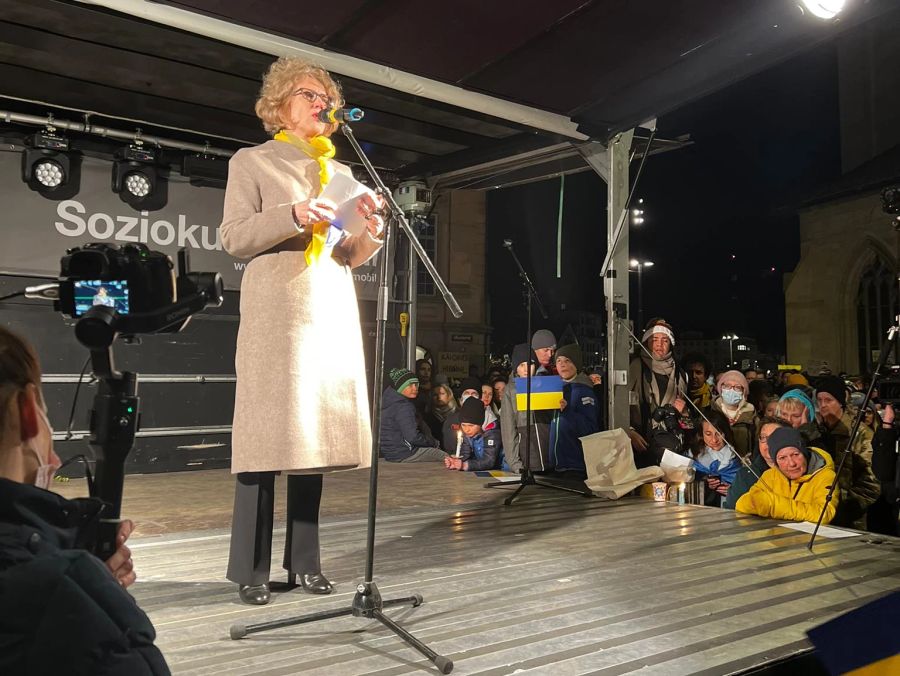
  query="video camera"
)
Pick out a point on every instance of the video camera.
point(124, 291)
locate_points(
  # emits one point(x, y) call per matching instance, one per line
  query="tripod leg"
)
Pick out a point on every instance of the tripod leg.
point(444, 665)
point(241, 630)
point(414, 601)
point(502, 484)
point(515, 494)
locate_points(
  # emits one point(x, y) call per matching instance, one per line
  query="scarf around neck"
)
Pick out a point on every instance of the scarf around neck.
point(702, 396)
point(321, 149)
point(663, 367)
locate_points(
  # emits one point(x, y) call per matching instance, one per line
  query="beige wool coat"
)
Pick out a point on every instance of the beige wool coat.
point(301, 402)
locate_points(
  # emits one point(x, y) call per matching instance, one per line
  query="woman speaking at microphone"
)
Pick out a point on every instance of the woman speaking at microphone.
point(301, 406)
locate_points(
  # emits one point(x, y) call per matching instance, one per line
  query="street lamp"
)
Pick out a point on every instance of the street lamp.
point(730, 337)
point(638, 266)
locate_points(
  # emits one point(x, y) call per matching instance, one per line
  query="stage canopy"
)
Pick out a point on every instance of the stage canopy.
point(482, 93)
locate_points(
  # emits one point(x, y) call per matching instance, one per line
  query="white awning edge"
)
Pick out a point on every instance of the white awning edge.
point(350, 66)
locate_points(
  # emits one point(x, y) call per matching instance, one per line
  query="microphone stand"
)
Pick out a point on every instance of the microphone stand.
point(886, 348)
point(528, 477)
point(367, 601)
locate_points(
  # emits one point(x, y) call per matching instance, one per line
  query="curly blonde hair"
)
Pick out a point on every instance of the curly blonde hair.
point(278, 85)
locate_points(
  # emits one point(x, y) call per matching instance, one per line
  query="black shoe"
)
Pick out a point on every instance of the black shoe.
point(254, 594)
point(316, 583)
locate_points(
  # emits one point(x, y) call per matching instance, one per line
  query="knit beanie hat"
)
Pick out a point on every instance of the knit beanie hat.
point(733, 376)
point(659, 326)
point(520, 355)
point(401, 378)
point(794, 379)
point(470, 384)
point(541, 339)
point(572, 352)
point(472, 411)
point(834, 386)
point(787, 437)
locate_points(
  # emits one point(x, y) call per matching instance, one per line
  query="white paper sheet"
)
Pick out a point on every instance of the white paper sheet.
point(824, 531)
point(344, 191)
point(670, 459)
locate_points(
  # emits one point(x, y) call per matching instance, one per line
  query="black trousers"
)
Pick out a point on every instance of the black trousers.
point(250, 555)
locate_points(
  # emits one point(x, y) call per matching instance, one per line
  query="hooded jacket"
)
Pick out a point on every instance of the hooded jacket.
point(483, 450)
point(776, 497)
point(64, 612)
point(400, 431)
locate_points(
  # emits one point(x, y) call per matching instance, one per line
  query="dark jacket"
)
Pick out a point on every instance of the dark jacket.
point(745, 480)
point(70, 615)
point(483, 450)
point(578, 419)
point(401, 433)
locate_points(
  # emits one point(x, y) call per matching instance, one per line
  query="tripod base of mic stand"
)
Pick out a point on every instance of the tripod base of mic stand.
point(530, 479)
point(367, 602)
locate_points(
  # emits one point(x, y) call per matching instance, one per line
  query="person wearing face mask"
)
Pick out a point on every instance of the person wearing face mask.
point(72, 613)
point(715, 460)
point(741, 414)
point(796, 487)
point(760, 461)
point(655, 380)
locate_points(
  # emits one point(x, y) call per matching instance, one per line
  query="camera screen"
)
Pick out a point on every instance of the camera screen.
point(92, 292)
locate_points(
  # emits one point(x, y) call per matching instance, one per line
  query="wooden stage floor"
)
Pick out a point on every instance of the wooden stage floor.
point(555, 584)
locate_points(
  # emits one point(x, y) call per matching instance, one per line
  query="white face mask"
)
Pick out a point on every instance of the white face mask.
point(46, 470)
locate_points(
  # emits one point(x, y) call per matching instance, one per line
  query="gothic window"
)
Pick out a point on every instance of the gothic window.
point(876, 306)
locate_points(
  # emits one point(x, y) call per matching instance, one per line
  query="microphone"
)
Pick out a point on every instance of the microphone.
point(340, 115)
point(507, 243)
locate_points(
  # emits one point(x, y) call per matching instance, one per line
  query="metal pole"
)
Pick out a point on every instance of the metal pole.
point(640, 312)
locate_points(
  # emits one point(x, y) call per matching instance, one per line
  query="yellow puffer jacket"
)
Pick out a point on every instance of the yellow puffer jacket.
point(777, 497)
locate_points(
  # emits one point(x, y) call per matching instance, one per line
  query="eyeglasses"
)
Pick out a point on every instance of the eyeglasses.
point(735, 388)
point(311, 96)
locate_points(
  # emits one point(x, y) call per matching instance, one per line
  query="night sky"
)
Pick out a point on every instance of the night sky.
point(760, 148)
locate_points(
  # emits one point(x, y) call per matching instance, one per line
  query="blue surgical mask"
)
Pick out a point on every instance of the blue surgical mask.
point(732, 397)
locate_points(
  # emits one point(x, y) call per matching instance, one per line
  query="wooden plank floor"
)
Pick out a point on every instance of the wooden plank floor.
point(556, 584)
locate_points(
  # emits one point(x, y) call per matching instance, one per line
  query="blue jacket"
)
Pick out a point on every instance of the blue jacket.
point(400, 433)
point(483, 450)
point(578, 419)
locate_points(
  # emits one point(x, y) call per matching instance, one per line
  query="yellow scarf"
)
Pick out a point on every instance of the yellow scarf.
point(321, 149)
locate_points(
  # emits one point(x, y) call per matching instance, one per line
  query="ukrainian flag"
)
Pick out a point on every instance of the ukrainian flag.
point(863, 642)
point(546, 391)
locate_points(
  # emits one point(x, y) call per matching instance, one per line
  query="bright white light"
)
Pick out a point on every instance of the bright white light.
point(638, 220)
point(48, 173)
point(137, 184)
point(637, 212)
point(824, 9)
point(648, 264)
point(633, 262)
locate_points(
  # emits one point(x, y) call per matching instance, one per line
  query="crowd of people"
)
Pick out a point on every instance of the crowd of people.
point(477, 425)
point(764, 444)
point(767, 444)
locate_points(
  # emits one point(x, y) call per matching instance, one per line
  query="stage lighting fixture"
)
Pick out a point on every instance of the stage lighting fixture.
point(138, 180)
point(50, 168)
point(824, 9)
